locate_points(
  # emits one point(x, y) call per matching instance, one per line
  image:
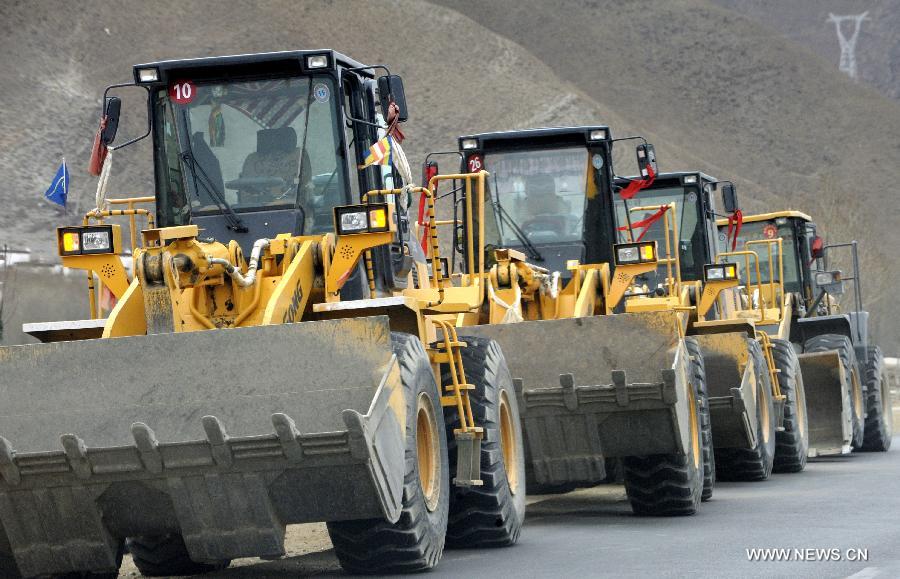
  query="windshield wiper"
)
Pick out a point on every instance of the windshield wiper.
point(526, 243)
point(234, 222)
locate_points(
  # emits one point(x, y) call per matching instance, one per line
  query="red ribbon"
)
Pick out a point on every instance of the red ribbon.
point(393, 121)
point(638, 184)
point(98, 150)
point(735, 221)
point(644, 224)
point(422, 201)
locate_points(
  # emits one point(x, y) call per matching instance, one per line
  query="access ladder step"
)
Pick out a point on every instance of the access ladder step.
point(468, 458)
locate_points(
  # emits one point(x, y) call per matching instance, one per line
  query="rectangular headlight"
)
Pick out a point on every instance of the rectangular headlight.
point(353, 222)
point(147, 75)
point(353, 219)
point(597, 135)
point(719, 272)
point(715, 273)
point(690, 179)
point(468, 144)
point(92, 241)
point(88, 239)
point(827, 277)
point(317, 61)
point(630, 253)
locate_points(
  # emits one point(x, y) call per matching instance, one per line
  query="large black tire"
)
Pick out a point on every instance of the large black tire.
point(490, 515)
point(165, 556)
point(416, 541)
point(669, 484)
point(791, 443)
point(698, 375)
point(753, 464)
point(855, 394)
point(879, 411)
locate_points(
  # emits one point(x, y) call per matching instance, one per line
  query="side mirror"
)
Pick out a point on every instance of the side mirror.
point(817, 248)
point(111, 111)
point(729, 197)
point(646, 159)
point(390, 88)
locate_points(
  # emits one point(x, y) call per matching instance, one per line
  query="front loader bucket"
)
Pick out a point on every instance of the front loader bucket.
point(595, 388)
point(827, 403)
point(223, 436)
point(732, 387)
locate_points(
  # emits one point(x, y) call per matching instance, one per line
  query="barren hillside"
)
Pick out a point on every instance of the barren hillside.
point(784, 123)
point(877, 49)
point(713, 88)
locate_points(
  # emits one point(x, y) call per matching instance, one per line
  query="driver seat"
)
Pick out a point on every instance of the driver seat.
point(277, 155)
point(541, 197)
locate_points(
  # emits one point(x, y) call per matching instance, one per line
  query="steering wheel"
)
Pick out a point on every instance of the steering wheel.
point(255, 184)
point(554, 223)
point(261, 186)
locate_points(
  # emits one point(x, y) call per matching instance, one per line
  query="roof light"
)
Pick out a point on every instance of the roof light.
point(317, 61)
point(469, 144)
point(690, 179)
point(597, 135)
point(148, 75)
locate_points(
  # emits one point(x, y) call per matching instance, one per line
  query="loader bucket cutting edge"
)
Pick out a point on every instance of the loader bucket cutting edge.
point(596, 387)
point(224, 436)
point(827, 408)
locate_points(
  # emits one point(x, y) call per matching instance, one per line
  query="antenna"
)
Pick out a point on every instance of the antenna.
point(848, 45)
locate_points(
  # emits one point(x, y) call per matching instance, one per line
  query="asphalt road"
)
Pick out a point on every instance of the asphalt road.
point(844, 504)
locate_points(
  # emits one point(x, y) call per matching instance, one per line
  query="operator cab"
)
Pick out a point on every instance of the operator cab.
point(251, 146)
point(799, 241)
point(254, 145)
point(547, 190)
point(692, 193)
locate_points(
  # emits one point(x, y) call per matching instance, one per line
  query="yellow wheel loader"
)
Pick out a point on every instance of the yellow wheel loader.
point(596, 384)
point(756, 396)
point(279, 351)
point(848, 396)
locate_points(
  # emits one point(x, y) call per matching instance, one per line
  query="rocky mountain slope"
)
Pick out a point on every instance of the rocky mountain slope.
point(714, 85)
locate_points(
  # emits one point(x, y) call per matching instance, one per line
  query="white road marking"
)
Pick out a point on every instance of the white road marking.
point(866, 573)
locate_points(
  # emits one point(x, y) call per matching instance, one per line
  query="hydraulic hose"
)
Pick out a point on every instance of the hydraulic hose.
point(235, 273)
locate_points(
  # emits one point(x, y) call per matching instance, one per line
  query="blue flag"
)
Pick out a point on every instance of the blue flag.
point(59, 189)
